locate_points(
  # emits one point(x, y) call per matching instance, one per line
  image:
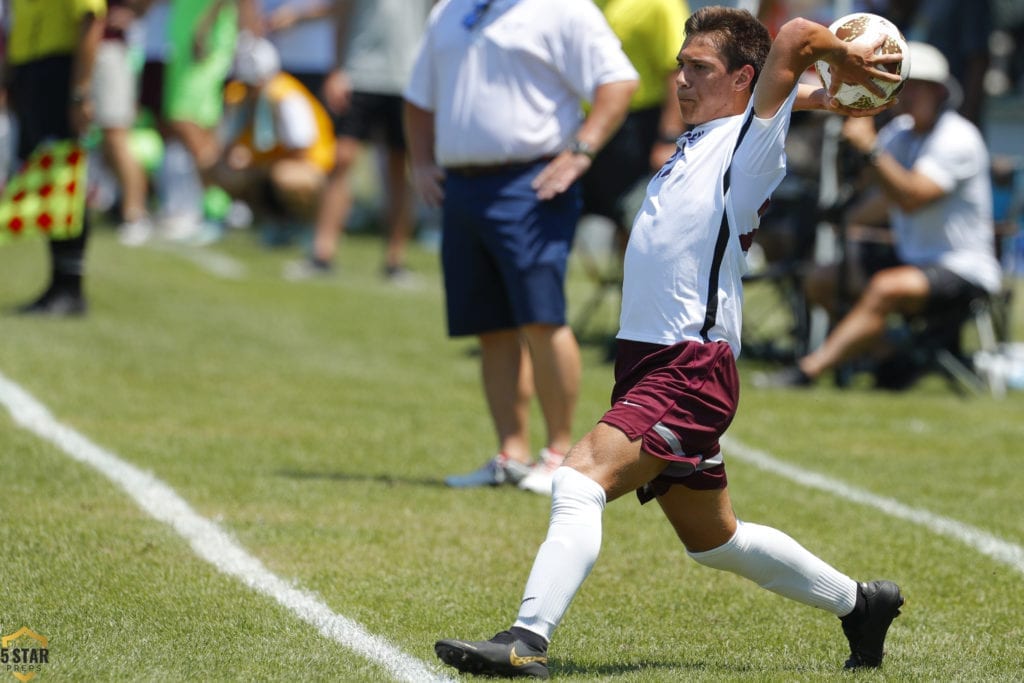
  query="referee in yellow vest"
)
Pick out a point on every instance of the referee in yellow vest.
point(51, 48)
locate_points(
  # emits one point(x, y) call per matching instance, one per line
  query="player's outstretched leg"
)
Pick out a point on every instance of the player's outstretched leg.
point(508, 654)
point(878, 603)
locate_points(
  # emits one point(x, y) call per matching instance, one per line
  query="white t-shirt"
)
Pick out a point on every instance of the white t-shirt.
point(296, 122)
point(384, 36)
point(510, 88)
point(671, 257)
point(955, 232)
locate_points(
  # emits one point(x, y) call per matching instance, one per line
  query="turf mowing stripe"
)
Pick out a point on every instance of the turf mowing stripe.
point(982, 541)
point(207, 539)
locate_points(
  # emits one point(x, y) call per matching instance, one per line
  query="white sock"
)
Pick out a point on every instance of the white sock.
point(778, 563)
point(567, 554)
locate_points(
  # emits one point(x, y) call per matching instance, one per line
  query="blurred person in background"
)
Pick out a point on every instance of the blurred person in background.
point(932, 167)
point(497, 139)
point(115, 94)
point(201, 37)
point(7, 125)
point(375, 45)
point(303, 33)
point(650, 32)
point(51, 50)
point(153, 26)
point(277, 139)
point(176, 179)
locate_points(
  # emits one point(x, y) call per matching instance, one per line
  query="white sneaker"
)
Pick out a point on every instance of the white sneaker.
point(180, 227)
point(135, 233)
point(539, 478)
point(499, 470)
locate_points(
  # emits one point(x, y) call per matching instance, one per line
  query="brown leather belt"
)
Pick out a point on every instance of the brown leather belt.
point(475, 170)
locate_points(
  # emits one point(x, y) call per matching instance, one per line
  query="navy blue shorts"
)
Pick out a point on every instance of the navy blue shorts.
point(504, 252)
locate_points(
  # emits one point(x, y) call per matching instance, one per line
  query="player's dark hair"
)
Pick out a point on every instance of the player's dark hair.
point(737, 34)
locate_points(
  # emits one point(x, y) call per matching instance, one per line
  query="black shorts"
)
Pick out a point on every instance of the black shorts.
point(946, 290)
point(40, 98)
point(623, 162)
point(373, 118)
point(151, 88)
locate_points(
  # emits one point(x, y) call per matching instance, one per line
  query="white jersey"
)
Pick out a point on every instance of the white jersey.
point(681, 281)
point(955, 232)
point(509, 87)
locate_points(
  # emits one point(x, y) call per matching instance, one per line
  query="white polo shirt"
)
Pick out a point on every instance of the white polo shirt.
point(671, 261)
point(955, 232)
point(510, 88)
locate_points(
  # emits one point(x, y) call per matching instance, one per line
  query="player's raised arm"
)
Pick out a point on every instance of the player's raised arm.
point(802, 42)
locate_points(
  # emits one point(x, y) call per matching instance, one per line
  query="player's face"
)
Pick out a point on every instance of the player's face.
point(923, 101)
point(705, 88)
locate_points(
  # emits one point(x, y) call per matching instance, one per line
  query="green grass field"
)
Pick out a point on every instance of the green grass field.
point(313, 423)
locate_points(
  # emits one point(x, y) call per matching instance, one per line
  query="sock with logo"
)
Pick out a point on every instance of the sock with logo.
point(567, 554)
point(776, 562)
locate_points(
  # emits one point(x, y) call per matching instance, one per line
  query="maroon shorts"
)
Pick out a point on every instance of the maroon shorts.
point(679, 400)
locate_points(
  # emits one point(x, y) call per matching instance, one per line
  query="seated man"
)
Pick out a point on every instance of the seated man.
point(277, 138)
point(932, 168)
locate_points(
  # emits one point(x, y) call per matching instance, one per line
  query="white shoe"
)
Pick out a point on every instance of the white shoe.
point(135, 233)
point(539, 478)
point(191, 231)
point(181, 227)
point(499, 470)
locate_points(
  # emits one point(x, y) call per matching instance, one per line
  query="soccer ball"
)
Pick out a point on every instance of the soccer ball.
point(868, 28)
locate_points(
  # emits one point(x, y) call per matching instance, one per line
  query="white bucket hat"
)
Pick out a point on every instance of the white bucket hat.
point(928, 64)
point(256, 60)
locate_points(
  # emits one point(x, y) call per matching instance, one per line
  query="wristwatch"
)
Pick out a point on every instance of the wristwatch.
point(578, 146)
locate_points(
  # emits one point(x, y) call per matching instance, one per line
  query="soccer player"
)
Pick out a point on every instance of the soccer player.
point(676, 385)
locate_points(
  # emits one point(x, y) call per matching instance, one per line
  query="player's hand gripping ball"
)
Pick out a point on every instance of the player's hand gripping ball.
point(869, 28)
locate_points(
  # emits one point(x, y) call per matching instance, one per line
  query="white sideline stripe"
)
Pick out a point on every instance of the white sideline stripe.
point(208, 540)
point(979, 539)
point(213, 262)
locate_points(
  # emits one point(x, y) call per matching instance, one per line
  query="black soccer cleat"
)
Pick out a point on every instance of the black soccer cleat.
point(878, 603)
point(504, 656)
